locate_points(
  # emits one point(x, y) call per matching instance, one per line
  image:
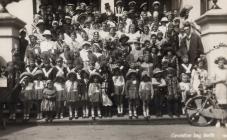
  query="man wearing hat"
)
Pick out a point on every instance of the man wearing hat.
point(119, 8)
point(108, 10)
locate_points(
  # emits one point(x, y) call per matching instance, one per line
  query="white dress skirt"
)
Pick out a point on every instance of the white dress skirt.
point(221, 88)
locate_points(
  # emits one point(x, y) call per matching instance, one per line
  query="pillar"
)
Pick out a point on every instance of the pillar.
point(9, 33)
point(214, 35)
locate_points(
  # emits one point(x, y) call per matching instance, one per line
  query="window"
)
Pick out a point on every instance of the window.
point(206, 5)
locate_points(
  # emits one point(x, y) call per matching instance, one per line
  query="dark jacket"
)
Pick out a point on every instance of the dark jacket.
point(195, 48)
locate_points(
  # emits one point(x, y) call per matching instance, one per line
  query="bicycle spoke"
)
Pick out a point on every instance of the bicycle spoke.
point(202, 120)
point(198, 103)
point(191, 112)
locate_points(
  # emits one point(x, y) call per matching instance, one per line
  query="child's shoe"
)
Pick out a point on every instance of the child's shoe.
point(218, 124)
point(61, 116)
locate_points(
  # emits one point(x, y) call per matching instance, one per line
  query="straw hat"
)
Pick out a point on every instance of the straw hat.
point(47, 33)
point(26, 74)
point(71, 73)
point(123, 36)
point(40, 22)
point(38, 73)
point(119, 2)
point(132, 3)
point(156, 3)
point(145, 73)
point(95, 74)
point(130, 72)
point(164, 19)
point(143, 4)
point(157, 71)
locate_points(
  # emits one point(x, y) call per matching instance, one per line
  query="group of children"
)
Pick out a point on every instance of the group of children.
point(56, 90)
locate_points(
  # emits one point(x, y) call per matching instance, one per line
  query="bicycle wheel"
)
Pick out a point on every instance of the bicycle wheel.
point(192, 110)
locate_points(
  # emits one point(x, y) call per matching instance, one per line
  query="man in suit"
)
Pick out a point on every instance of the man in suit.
point(191, 45)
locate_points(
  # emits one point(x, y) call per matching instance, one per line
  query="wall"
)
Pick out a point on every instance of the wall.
point(195, 12)
point(23, 10)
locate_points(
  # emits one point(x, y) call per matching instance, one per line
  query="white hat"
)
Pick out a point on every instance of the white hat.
point(132, 3)
point(164, 19)
point(156, 2)
point(40, 22)
point(47, 33)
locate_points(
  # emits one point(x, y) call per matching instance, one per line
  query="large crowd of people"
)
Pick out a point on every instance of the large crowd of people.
point(92, 64)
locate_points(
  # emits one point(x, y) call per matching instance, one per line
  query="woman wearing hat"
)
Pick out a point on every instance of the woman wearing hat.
point(144, 9)
point(94, 93)
point(47, 44)
point(219, 79)
point(163, 28)
point(159, 85)
point(156, 12)
point(132, 92)
point(73, 94)
point(39, 85)
point(134, 37)
point(27, 93)
point(33, 47)
point(39, 30)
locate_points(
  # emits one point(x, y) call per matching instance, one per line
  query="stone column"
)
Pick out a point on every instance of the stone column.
point(214, 35)
point(9, 33)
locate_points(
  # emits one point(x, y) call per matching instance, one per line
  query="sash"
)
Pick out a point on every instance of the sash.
point(33, 71)
point(60, 70)
point(47, 73)
point(187, 68)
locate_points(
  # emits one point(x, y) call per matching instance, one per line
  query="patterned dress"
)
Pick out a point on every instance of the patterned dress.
point(49, 101)
point(94, 93)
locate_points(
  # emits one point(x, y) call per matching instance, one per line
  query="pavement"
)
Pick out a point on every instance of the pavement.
point(165, 119)
point(112, 132)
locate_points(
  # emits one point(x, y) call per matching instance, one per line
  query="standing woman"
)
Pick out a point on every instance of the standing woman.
point(219, 78)
point(134, 41)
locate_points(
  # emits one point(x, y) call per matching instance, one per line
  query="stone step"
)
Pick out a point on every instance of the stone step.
point(165, 120)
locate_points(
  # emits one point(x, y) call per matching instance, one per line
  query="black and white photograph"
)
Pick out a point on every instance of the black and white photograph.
point(113, 69)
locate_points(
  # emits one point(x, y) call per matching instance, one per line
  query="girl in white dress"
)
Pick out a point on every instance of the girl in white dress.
point(198, 77)
point(219, 78)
